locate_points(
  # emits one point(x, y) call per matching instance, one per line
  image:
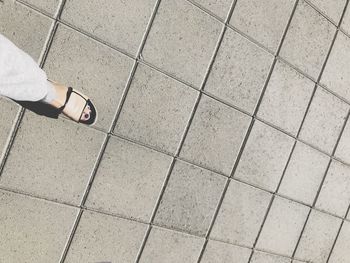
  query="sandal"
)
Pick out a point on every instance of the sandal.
point(74, 107)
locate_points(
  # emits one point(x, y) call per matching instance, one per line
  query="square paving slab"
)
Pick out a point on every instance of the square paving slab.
point(29, 224)
point(190, 199)
point(156, 110)
point(58, 171)
point(121, 23)
point(308, 40)
point(129, 180)
point(102, 238)
point(182, 40)
point(171, 247)
point(263, 20)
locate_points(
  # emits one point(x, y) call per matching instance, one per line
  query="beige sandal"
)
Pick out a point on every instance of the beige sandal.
point(75, 104)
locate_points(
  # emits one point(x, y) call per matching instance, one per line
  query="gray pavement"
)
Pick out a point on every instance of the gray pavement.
point(222, 133)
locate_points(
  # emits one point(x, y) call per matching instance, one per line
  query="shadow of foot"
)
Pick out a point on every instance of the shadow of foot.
point(40, 108)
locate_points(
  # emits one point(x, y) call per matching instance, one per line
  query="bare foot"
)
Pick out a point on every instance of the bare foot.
point(61, 92)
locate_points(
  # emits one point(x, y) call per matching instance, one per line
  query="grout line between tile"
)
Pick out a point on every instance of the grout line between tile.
point(220, 39)
point(38, 10)
point(330, 20)
point(19, 117)
point(254, 116)
point(124, 218)
point(338, 139)
point(338, 233)
point(246, 139)
point(207, 11)
point(115, 119)
point(140, 61)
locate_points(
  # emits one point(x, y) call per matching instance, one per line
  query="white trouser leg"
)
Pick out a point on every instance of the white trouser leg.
point(20, 76)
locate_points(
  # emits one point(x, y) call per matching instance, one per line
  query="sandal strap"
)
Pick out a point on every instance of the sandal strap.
point(69, 92)
point(86, 102)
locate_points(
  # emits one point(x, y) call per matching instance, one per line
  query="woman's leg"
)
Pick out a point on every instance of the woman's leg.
point(20, 76)
point(21, 79)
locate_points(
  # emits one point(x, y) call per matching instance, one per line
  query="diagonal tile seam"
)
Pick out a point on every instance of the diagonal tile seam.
point(318, 193)
point(19, 117)
point(190, 163)
point(321, 12)
point(176, 156)
point(47, 49)
point(338, 233)
point(339, 136)
point(246, 139)
point(117, 216)
point(216, 49)
point(291, 153)
point(217, 171)
point(202, 167)
point(136, 220)
point(141, 61)
point(205, 10)
point(108, 135)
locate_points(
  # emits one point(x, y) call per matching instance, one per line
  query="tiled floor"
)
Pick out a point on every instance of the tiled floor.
point(223, 133)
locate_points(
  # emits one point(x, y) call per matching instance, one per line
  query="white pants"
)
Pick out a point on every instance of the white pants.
point(20, 76)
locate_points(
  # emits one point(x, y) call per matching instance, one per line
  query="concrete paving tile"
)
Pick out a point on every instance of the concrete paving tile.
point(8, 113)
point(264, 20)
point(33, 230)
point(102, 75)
point(59, 158)
point(332, 9)
point(318, 237)
point(286, 98)
point(340, 252)
point(324, 120)
point(220, 8)
point(218, 252)
point(182, 40)
point(171, 247)
point(49, 6)
point(190, 199)
point(24, 27)
point(343, 148)
point(128, 180)
point(241, 214)
point(282, 227)
point(239, 71)
point(304, 174)
point(345, 25)
point(215, 135)
point(157, 110)
point(335, 196)
point(308, 40)
point(264, 157)
point(103, 238)
point(118, 22)
point(336, 74)
point(261, 257)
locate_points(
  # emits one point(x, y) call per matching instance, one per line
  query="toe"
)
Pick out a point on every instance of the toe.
point(90, 112)
point(86, 114)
